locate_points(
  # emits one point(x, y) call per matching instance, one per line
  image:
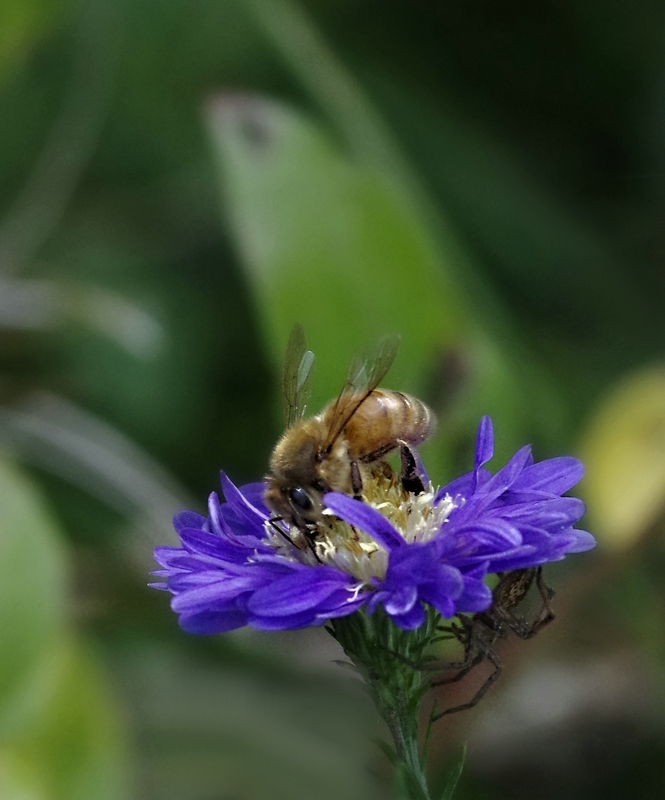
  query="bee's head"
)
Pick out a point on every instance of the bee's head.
point(302, 506)
point(294, 490)
point(305, 503)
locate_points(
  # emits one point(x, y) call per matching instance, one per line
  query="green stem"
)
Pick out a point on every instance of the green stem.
point(411, 782)
point(389, 660)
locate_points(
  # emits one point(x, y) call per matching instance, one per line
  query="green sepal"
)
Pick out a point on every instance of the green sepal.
point(407, 785)
point(387, 750)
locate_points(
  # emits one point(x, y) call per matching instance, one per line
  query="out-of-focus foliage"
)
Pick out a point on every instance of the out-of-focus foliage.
point(323, 237)
point(32, 604)
point(624, 452)
point(180, 184)
point(60, 736)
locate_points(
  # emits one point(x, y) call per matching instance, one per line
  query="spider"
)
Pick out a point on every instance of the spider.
point(480, 632)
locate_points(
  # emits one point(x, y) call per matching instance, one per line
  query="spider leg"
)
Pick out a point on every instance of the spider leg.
point(478, 696)
point(418, 667)
point(464, 668)
point(546, 614)
point(546, 592)
point(466, 636)
point(520, 626)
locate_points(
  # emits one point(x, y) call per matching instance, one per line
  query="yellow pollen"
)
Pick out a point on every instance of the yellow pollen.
point(340, 545)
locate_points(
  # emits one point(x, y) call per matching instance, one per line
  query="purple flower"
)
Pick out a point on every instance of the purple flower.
point(395, 550)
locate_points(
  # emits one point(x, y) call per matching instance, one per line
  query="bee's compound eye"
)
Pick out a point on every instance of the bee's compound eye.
point(300, 499)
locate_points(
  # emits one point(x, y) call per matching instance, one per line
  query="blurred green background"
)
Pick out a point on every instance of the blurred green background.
point(181, 182)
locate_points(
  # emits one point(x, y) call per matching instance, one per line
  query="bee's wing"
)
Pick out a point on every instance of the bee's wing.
point(365, 374)
point(298, 362)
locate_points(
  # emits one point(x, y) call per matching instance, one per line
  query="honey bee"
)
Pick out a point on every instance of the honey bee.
point(347, 441)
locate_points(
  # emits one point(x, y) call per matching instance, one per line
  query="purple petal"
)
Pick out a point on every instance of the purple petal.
point(464, 485)
point(240, 505)
point(560, 511)
point(217, 523)
point(555, 475)
point(207, 544)
point(484, 443)
point(375, 600)
point(210, 622)
point(412, 561)
point(506, 476)
point(484, 449)
point(301, 591)
point(581, 541)
point(362, 516)
point(254, 494)
point(212, 594)
point(287, 622)
point(188, 519)
point(164, 555)
point(402, 600)
point(411, 620)
point(495, 533)
point(443, 594)
point(475, 597)
point(340, 609)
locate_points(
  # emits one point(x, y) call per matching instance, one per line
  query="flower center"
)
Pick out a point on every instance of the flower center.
point(338, 544)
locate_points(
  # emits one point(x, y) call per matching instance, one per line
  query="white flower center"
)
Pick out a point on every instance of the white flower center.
point(340, 545)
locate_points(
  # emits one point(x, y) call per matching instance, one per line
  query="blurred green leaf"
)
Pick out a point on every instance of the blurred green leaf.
point(28, 304)
point(32, 581)
point(455, 775)
point(351, 112)
point(348, 109)
point(75, 750)
point(59, 733)
point(22, 23)
point(18, 779)
point(624, 452)
point(55, 174)
point(329, 244)
point(58, 436)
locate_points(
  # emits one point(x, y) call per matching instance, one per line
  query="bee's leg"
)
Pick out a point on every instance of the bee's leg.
point(311, 542)
point(272, 521)
point(411, 480)
point(356, 481)
point(309, 538)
